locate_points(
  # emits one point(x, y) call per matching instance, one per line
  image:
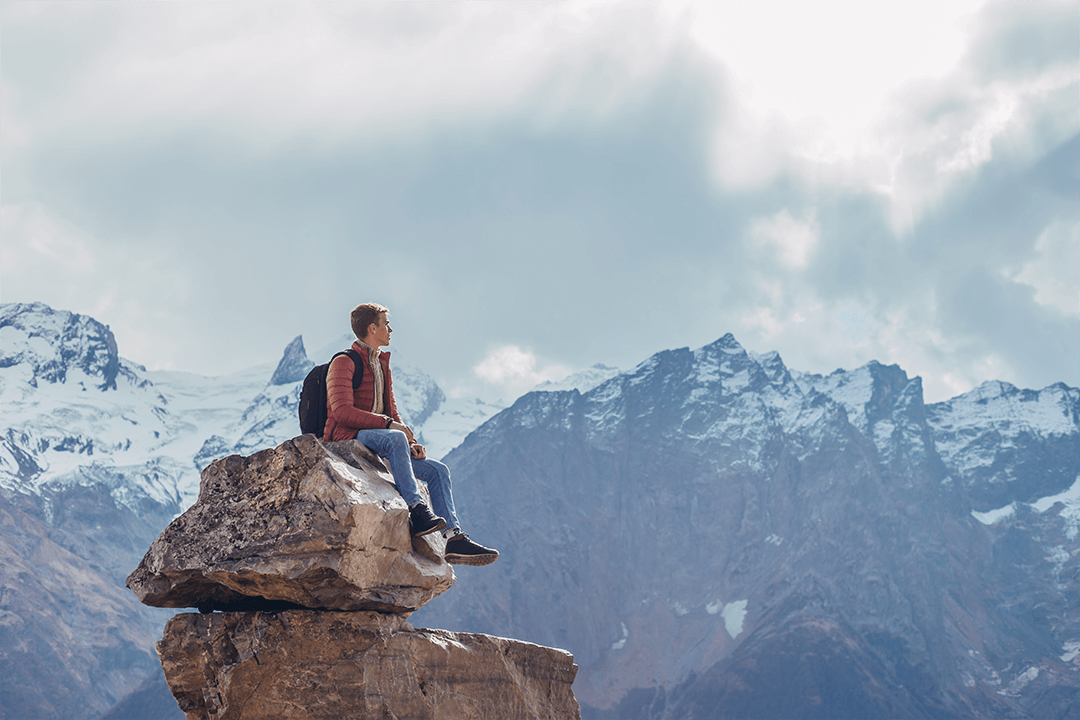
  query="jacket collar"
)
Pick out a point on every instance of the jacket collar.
point(366, 350)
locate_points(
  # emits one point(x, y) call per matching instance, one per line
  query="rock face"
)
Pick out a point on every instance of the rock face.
point(310, 524)
point(333, 665)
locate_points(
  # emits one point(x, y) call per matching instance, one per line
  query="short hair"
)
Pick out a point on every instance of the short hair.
point(364, 315)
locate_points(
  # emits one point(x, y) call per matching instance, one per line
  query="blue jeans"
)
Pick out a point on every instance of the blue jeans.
point(394, 446)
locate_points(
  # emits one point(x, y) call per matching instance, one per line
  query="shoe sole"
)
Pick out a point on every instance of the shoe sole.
point(441, 525)
point(474, 560)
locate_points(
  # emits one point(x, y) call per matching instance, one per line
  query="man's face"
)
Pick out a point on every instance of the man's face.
point(380, 334)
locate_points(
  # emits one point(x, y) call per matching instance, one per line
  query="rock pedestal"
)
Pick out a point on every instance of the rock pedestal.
point(334, 665)
point(307, 550)
point(306, 524)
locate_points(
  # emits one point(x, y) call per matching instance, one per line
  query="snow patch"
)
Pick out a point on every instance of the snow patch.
point(1022, 680)
point(1058, 555)
point(991, 517)
point(853, 390)
point(738, 382)
point(1072, 649)
point(1070, 513)
point(733, 613)
point(622, 643)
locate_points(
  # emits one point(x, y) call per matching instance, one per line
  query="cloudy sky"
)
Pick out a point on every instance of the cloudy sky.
point(536, 187)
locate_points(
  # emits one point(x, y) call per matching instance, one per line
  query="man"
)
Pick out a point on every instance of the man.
point(370, 415)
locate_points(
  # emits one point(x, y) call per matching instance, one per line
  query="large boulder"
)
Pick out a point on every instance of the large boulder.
point(333, 665)
point(306, 524)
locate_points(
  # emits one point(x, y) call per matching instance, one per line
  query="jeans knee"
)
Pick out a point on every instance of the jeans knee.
point(398, 439)
point(430, 470)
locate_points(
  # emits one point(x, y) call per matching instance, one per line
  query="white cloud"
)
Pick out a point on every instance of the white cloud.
point(938, 135)
point(506, 363)
point(1054, 272)
point(515, 370)
point(793, 240)
point(36, 244)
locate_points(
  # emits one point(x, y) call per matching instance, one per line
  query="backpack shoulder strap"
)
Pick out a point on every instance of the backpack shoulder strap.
point(358, 364)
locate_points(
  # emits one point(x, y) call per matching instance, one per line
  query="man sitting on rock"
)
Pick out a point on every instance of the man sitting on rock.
point(370, 414)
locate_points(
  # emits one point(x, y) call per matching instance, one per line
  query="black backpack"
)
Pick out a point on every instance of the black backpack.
point(312, 409)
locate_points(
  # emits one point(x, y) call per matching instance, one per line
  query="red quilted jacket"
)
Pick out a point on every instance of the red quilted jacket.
point(348, 410)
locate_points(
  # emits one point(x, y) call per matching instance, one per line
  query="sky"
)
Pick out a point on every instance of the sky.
point(533, 188)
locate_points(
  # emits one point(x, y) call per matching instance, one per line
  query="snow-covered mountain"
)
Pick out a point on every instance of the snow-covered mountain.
point(583, 381)
point(714, 535)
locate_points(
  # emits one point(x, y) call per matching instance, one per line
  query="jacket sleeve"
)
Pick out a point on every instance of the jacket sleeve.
point(340, 409)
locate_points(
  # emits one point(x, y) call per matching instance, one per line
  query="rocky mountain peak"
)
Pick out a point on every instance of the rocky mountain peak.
point(889, 382)
point(294, 364)
point(53, 343)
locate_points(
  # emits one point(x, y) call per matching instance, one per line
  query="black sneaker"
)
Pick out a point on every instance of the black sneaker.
point(422, 521)
point(460, 550)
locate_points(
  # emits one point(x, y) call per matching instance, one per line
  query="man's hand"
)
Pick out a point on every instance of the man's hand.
point(418, 451)
point(405, 429)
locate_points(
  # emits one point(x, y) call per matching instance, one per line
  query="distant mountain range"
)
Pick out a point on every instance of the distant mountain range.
point(711, 534)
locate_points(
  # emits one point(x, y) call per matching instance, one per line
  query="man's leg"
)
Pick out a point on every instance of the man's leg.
point(394, 446)
point(437, 478)
point(460, 549)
